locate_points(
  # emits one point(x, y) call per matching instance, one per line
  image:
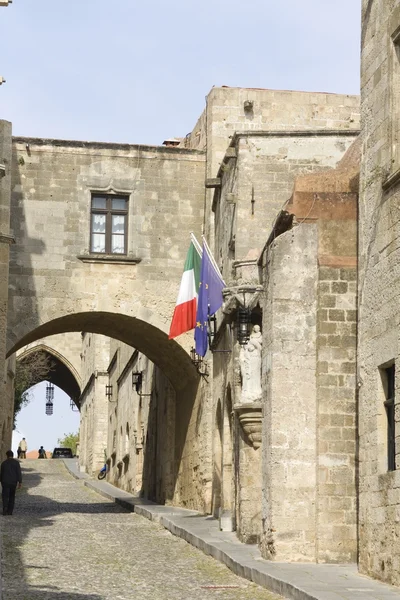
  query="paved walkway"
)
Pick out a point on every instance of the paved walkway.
point(294, 581)
point(66, 542)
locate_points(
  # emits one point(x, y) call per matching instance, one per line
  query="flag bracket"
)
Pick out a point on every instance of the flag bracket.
point(199, 363)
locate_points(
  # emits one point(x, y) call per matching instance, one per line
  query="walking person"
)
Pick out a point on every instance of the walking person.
point(42, 452)
point(24, 447)
point(10, 478)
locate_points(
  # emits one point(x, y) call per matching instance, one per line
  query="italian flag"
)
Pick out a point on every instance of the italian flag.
point(184, 318)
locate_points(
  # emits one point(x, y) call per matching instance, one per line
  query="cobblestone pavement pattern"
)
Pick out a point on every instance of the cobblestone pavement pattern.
point(66, 542)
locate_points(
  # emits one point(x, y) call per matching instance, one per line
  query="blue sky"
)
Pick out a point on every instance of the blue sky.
point(40, 429)
point(138, 72)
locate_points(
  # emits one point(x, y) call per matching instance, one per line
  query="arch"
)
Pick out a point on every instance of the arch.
point(55, 354)
point(63, 374)
point(147, 334)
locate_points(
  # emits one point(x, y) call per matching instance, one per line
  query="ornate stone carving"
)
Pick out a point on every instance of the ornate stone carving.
point(250, 367)
point(243, 295)
point(250, 419)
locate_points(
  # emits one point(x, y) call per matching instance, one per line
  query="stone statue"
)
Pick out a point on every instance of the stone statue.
point(250, 366)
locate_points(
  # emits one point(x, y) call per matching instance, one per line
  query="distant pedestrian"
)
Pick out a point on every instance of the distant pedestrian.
point(10, 478)
point(24, 447)
point(42, 452)
point(19, 452)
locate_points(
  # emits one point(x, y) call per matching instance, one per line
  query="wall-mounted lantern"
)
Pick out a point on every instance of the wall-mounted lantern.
point(137, 379)
point(244, 325)
point(73, 406)
point(211, 329)
point(198, 362)
point(109, 391)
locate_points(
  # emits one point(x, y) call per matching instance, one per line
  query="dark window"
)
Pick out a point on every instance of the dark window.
point(109, 224)
point(389, 406)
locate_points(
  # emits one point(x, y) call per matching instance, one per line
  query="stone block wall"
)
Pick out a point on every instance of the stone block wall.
point(290, 404)
point(378, 290)
point(337, 411)
point(6, 370)
point(258, 183)
point(94, 402)
point(226, 114)
point(52, 272)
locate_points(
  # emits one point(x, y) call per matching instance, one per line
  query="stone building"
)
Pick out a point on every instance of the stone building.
point(378, 324)
point(262, 434)
point(252, 180)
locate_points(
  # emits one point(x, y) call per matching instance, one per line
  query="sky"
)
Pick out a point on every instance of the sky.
point(138, 72)
point(40, 429)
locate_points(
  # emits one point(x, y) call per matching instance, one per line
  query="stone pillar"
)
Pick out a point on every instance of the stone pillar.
point(290, 404)
point(6, 395)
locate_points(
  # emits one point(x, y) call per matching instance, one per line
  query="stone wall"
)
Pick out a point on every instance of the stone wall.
point(52, 274)
point(93, 402)
point(257, 182)
point(6, 370)
point(226, 114)
point(378, 289)
point(337, 413)
point(290, 403)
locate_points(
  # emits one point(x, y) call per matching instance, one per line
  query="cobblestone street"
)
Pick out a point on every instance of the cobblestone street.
point(66, 542)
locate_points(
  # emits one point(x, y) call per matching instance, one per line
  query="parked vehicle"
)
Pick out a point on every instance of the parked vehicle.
point(62, 453)
point(102, 473)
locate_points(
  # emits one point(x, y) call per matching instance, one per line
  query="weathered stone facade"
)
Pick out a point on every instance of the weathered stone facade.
point(6, 239)
point(378, 324)
point(261, 176)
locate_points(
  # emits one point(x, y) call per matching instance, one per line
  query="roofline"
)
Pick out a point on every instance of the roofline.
point(257, 89)
point(104, 145)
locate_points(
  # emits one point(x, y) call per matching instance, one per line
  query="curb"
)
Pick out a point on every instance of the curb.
point(294, 581)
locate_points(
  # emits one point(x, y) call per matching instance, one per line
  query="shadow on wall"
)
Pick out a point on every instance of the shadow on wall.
point(170, 416)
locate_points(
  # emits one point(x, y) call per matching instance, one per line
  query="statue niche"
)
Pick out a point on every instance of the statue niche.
point(250, 367)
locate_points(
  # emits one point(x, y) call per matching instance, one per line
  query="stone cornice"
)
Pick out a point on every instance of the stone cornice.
point(115, 260)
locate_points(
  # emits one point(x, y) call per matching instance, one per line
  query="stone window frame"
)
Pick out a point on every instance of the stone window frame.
point(109, 212)
point(395, 99)
point(387, 417)
point(393, 172)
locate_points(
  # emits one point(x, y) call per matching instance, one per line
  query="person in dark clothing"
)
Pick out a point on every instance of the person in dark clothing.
point(10, 477)
point(42, 452)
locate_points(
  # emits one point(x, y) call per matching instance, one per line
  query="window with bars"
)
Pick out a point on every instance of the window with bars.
point(109, 224)
point(390, 415)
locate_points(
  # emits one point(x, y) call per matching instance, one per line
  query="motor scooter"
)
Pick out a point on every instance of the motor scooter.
point(102, 473)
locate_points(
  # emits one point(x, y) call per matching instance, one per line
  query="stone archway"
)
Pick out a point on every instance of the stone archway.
point(62, 374)
point(147, 334)
point(180, 447)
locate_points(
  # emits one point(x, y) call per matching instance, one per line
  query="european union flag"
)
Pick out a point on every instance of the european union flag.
point(209, 301)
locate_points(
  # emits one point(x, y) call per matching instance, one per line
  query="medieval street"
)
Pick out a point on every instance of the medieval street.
point(66, 542)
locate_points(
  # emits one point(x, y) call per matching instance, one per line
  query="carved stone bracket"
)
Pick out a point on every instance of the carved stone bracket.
point(242, 295)
point(250, 419)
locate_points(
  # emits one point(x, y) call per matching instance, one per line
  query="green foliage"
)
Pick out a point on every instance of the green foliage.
point(69, 440)
point(29, 371)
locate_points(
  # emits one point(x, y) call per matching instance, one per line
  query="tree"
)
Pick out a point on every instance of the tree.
point(29, 371)
point(69, 440)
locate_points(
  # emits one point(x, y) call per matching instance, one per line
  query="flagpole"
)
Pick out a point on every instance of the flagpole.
point(196, 243)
